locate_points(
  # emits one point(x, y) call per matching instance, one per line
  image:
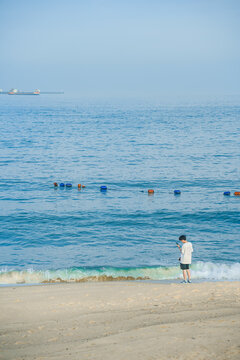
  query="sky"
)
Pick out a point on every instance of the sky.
point(121, 48)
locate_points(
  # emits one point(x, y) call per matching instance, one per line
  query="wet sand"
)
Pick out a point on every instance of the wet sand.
point(121, 320)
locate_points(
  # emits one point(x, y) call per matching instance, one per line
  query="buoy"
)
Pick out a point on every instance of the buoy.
point(177, 192)
point(79, 186)
point(103, 188)
point(68, 185)
point(83, 186)
point(151, 191)
point(55, 184)
point(227, 193)
point(62, 185)
point(237, 193)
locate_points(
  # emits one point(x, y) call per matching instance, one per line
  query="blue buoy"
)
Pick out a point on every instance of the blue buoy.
point(227, 193)
point(103, 188)
point(177, 192)
point(68, 185)
point(62, 184)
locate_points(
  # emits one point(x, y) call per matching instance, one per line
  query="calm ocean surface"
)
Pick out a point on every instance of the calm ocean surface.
point(48, 234)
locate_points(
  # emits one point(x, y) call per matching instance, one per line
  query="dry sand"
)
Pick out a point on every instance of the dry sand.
point(121, 320)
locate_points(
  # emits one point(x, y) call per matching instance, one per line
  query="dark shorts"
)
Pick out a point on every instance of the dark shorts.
point(184, 266)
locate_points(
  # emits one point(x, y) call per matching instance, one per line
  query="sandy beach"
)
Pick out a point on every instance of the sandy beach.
point(121, 320)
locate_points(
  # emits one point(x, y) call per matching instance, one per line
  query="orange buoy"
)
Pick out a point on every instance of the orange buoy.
point(237, 193)
point(79, 186)
point(55, 184)
point(151, 191)
point(83, 186)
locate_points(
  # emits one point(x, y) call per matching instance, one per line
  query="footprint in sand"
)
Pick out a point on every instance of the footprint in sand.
point(53, 339)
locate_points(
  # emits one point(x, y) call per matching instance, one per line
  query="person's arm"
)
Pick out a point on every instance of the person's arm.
point(179, 248)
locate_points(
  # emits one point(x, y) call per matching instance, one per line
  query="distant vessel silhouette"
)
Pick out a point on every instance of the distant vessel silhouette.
point(18, 92)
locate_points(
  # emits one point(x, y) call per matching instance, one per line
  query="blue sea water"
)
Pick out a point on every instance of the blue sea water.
point(54, 234)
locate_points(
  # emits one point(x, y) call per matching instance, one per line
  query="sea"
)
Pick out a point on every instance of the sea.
point(72, 234)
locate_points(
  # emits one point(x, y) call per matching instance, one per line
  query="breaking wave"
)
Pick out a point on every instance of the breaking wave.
point(200, 270)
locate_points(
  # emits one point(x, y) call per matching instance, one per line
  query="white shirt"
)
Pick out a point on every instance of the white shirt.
point(186, 253)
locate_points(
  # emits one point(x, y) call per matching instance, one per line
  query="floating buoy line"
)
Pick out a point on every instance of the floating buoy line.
point(103, 188)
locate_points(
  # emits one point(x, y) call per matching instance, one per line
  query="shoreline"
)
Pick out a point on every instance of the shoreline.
point(200, 271)
point(147, 281)
point(120, 320)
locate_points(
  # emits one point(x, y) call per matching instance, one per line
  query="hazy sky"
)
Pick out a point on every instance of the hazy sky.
point(121, 48)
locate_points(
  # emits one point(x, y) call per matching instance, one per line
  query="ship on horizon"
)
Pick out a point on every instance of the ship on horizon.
point(19, 92)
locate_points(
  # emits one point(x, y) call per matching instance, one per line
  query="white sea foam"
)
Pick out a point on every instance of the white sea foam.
point(200, 270)
point(213, 271)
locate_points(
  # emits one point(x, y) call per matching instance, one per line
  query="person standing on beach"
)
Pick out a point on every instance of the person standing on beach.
point(186, 258)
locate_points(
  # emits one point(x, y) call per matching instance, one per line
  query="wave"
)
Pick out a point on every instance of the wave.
point(200, 270)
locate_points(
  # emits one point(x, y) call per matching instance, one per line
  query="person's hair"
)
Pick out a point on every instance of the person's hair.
point(182, 237)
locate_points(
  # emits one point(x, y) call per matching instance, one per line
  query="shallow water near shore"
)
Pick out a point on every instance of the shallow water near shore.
point(73, 234)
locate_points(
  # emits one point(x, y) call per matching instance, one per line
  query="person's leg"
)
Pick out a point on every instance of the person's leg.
point(189, 275)
point(184, 275)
